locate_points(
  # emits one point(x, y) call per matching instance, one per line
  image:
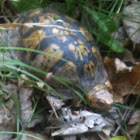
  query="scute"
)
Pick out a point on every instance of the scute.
point(64, 38)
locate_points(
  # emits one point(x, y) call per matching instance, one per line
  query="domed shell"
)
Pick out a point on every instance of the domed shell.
point(73, 54)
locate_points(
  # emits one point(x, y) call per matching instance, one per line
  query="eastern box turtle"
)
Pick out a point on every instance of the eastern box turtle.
point(63, 37)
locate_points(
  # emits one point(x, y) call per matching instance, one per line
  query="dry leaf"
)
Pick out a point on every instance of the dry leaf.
point(8, 111)
point(49, 76)
point(121, 66)
point(132, 28)
point(135, 118)
point(7, 119)
point(132, 130)
point(26, 107)
point(78, 122)
point(57, 103)
point(41, 85)
point(110, 66)
point(133, 123)
point(22, 83)
point(124, 82)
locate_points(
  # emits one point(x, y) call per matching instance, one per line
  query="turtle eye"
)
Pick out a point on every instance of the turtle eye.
point(100, 103)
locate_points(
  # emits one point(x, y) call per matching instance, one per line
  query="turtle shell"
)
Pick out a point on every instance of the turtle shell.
point(72, 53)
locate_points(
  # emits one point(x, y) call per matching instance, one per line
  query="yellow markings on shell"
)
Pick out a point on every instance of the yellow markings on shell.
point(93, 50)
point(86, 34)
point(89, 69)
point(62, 38)
point(48, 18)
point(51, 14)
point(35, 12)
point(55, 30)
point(79, 51)
point(68, 29)
point(71, 47)
point(42, 19)
point(33, 40)
point(71, 19)
point(51, 18)
point(80, 42)
point(50, 61)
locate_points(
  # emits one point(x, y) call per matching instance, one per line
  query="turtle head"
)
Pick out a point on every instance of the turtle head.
point(100, 97)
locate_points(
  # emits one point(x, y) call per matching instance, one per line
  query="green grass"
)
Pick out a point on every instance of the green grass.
point(101, 24)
